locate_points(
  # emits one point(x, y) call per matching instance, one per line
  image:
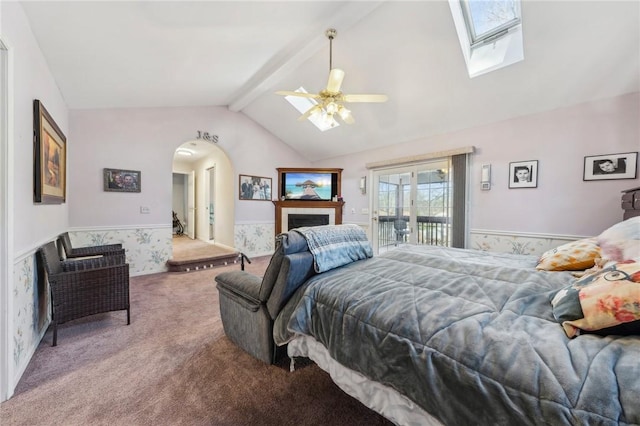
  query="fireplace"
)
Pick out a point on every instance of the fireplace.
point(306, 213)
point(300, 220)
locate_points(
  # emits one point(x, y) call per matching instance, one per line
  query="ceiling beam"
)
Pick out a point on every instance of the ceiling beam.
point(296, 53)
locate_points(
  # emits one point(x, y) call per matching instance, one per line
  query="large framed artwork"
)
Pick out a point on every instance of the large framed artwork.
point(49, 158)
point(120, 180)
point(523, 174)
point(611, 166)
point(255, 188)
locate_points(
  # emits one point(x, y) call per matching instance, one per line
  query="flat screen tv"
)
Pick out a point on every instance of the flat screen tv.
point(308, 185)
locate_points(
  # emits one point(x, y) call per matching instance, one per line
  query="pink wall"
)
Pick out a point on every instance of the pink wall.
point(145, 139)
point(33, 224)
point(562, 204)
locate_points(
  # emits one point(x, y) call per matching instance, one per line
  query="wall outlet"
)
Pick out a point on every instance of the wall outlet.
point(364, 211)
point(353, 210)
point(145, 210)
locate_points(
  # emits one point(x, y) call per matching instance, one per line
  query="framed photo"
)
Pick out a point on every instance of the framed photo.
point(255, 188)
point(120, 180)
point(611, 166)
point(49, 158)
point(523, 174)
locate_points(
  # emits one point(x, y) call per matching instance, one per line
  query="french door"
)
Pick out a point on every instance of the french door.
point(413, 205)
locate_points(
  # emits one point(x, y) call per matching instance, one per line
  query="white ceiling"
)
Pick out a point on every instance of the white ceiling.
point(123, 54)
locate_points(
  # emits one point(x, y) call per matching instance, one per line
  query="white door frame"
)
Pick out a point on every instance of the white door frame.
point(375, 181)
point(210, 200)
point(191, 205)
point(6, 221)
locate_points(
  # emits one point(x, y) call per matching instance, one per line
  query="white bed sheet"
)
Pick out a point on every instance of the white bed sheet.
point(378, 397)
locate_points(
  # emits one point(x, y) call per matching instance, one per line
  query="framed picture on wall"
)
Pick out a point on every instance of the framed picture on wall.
point(120, 180)
point(255, 188)
point(49, 158)
point(611, 166)
point(523, 174)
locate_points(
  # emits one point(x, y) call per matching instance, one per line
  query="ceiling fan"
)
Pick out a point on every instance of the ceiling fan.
point(329, 102)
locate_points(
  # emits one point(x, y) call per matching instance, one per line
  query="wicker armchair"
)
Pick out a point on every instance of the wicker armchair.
point(85, 287)
point(66, 250)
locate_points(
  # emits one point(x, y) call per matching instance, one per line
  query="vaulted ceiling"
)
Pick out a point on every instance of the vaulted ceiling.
point(124, 54)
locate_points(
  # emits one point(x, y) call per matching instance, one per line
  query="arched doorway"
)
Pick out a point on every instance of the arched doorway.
point(203, 192)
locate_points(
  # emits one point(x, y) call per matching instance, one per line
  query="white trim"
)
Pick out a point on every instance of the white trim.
point(419, 158)
point(6, 219)
point(528, 234)
point(118, 227)
point(20, 256)
point(255, 222)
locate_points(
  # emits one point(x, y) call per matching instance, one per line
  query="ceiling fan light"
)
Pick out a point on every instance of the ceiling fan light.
point(331, 108)
point(344, 113)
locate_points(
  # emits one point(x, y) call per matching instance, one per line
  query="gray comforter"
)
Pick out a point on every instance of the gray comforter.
point(469, 337)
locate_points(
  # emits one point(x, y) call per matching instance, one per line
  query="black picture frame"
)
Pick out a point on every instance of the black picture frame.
point(121, 180)
point(49, 158)
point(523, 174)
point(255, 188)
point(610, 166)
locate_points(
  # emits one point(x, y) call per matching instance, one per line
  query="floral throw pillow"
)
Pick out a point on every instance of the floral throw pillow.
point(604, 303)
point(573, 256)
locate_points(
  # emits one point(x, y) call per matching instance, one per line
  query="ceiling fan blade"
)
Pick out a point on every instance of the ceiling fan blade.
point(335, 80)
point(300, 94)
point(309, 112)
point(365, 98)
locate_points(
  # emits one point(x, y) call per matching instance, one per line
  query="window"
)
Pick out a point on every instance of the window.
point(490, 33)
point(486, 20)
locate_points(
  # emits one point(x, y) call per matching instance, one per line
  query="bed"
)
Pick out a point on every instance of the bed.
point(434, 335)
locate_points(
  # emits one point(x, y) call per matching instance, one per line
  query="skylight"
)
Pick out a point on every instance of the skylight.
point(320, 120)
point(490, 33)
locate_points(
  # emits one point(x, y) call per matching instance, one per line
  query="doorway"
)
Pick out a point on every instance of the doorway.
point(413, 205)
point(207, 192)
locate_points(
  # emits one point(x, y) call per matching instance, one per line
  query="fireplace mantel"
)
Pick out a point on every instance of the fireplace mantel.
point(336, 206)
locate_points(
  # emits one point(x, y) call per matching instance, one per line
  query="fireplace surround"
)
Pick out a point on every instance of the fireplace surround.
point(331, 209)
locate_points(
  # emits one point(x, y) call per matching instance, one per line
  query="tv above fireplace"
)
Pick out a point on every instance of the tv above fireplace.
point(309, 184)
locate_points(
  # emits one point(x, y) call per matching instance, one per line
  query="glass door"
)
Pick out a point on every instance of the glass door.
point(412, 205)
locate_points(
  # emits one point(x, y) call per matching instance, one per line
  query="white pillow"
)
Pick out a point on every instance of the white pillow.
point(621, 241)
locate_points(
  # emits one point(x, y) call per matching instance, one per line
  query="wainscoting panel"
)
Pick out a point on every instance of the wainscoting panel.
point(516, 243)
point(147, 249)
point(30, 315)
point(255, 239)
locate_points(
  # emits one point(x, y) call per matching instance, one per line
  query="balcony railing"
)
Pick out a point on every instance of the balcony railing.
point(432, 230)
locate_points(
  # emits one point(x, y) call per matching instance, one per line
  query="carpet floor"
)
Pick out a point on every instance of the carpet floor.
point(172, 366)
point(184, 248)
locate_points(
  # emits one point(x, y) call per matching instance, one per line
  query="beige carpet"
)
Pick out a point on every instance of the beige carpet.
point(194, 255)
point(185, 248)
point(171, 366)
